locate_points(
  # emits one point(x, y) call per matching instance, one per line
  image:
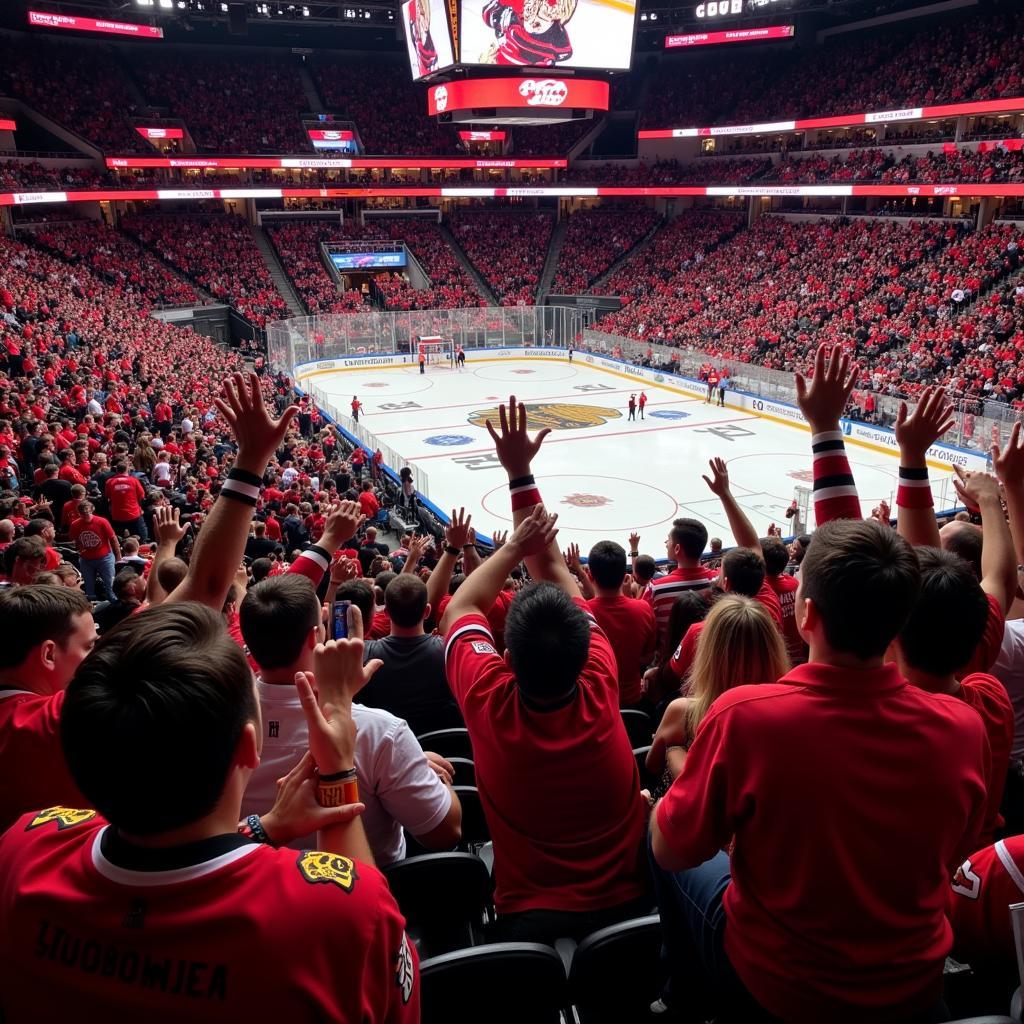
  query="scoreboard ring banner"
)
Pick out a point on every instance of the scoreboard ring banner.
point(539, 92)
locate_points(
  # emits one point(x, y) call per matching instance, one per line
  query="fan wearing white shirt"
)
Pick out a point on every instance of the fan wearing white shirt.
point(282, 622)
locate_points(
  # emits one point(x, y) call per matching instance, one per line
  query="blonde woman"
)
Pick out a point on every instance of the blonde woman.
point(739, 645)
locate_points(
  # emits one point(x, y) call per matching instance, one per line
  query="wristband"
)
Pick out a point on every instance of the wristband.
point(245, 477)
point(521, 481)
point(634, 554)
point(338, 794)
point(259, 833)
point(451, 549)
point(345, 775)
point(240, 492)
point(467, 546)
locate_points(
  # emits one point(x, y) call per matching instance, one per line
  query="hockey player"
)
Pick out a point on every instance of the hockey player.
point(528, 32)
point(419, 30)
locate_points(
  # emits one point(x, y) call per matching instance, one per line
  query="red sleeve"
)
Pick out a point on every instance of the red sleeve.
point(312, 563)
point(987, 651)
point(469, 653)
point(979, 898)
point(686, 651)
point(108, 529)
point(391, 987)
point(770, 600)
point(835, 490)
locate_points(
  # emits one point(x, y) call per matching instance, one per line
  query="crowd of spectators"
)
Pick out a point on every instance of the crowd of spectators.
point(113, 257)
point(594, 239)
point(250, 104)
point(216, 251)
point(507, 248)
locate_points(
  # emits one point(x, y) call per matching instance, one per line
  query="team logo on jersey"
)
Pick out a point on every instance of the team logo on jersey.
point(966, 882)
point(329, 868)
point(586, 500)
point(404, 970)
point(555, 415)
point(805, 476)
point(66, 817)
point(483, 647)
point(448, 440)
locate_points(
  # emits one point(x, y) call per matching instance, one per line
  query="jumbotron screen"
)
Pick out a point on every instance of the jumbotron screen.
point(596, 34)
point(368, 260)
point(428, 41)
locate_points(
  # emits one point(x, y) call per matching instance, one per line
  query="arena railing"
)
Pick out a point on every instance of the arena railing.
point(974, 418)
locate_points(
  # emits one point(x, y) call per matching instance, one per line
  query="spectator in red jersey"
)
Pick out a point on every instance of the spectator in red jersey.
point(47, 631)
point(552, 757)
point(776, 558)
point(368, 501)
point(894, 780)
point(628, 622)
point(125, 495)
point(684, 546)
point(98, 550)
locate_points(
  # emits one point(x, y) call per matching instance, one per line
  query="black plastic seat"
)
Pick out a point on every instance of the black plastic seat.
point(465, 771)
point(500, 983)
point(445, 898)
point(448, 743)
point(639, 727)
point(474, 825)
point(616, 972)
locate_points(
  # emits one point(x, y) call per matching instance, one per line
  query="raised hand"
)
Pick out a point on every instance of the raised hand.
point(167, 526)
point(457, 533)
point(515, 449)
point(823, 400)
point(500, 537)
point(535, 533)
point(917, 431)
point(1008, 463)
point(258, 434)
point(718, 482)
point(343, 570)
point(974, 488)
point(342, 524)
point(417, 546)
point(634, 541)
point(332, 730)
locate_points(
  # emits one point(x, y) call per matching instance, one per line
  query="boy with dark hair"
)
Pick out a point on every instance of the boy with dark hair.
point(684, 546)
point(628, 622)
point(554, 766)
point(892, 778)
point(776, 559)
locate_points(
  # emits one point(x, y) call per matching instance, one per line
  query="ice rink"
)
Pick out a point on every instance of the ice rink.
point(603, 474)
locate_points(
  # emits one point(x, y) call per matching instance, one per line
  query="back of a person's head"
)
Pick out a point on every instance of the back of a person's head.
point(965, 541)
point(166, 677)
point(739, 645)
point(691, 535)
point(33, 614)
point(406, 600)
point(948, 619)
point(548, 640)
point(455, 582)
point(383, 580)
point(360, 593)
point(276, 616)
point(27, 549)
point(607, 564)
point(776, 555)
point(864, 579)
point(36, 527)
point(170, 573)
point(260, 569)
point(644, 569)
point(689, 607)
point(744, 571)
point(124, 581)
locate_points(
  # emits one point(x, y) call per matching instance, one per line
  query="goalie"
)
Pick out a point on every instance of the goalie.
point(419, 29)
point(528, 32)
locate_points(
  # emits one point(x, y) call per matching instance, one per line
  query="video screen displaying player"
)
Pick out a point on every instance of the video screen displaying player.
point(548, 33)
point(427, 38)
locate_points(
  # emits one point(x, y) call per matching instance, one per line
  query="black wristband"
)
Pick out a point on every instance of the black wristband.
point(522, 481)
point(464, 546)
point(451, 549)
point(345, 775)
point(245, 499)
point(908, 473)
point(245, 477)
point(259, 833)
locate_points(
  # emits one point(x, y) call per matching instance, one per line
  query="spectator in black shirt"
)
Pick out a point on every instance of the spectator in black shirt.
point(56, 491)
point(370, 549)
point(259, 545)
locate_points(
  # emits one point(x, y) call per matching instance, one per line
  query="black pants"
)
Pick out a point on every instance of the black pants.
point(423, 367)
point(632, 414)
point(548, 925)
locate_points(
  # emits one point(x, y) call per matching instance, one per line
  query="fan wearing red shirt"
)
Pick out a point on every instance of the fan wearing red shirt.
point(684, 546)
point(45, 633)
point(560, 795)
point(162, 907)
point(124, 494)
point(776, 558)
point(628, 622)
point(841, 919)
point(368, 501)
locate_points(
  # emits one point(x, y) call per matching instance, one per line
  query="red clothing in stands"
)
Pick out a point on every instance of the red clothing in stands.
point(661, 594)
point(124, 492)
point(979, 899)
point(31, 759)
point(987, 651)
point(195, 942)
point(784, 587)
point(559, 787)
point(632, 631)
point(93, 537)
point(848, 796)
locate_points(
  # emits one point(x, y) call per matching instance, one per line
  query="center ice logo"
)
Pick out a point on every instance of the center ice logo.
point(554, 415)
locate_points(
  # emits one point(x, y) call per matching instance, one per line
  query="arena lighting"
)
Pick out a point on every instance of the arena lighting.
point(167, 4)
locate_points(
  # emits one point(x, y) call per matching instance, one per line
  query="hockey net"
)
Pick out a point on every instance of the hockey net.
point(436, 350)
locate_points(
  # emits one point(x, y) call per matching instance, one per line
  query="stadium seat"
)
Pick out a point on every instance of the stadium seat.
point(465, 771)
point(448, 743)
point(604, 959)
point(501, 983)
point(639, 726)
point(646, 779)
point(474, 826)
point(445, 898)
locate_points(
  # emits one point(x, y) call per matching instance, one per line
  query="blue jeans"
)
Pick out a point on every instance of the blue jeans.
point(102, 569)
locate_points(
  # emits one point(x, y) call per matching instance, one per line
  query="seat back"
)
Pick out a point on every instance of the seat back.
point(465, 771)
point(616, 972)
point(639, 727)
point(474, 825)
point(448, 743)
point(502, 983)
point(444, 898)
